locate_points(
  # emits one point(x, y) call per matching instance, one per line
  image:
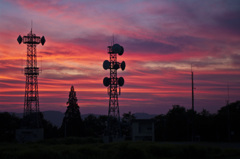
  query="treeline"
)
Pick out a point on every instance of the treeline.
point(178, 124)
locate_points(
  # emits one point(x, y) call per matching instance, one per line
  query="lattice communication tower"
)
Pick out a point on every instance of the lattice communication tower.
point(31, 99)
point(114, 83)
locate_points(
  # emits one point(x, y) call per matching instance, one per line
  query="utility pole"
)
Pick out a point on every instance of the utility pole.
point(193, 116)
point(228, 116)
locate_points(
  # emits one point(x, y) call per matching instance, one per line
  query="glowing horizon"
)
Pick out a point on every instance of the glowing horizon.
point(161, 40)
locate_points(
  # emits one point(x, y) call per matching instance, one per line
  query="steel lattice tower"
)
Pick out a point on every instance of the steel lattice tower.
point(31, 99)
point(113, 83)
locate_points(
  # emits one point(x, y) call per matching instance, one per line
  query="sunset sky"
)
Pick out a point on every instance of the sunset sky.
point(161, 39)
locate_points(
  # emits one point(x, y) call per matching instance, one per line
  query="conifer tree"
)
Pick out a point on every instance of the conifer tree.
point(72, 124)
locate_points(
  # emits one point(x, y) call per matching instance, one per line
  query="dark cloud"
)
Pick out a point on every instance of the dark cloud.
point(209, 79)
point(208, 17)
point(229, 22)
point(148, 46)
point(101, 41)
point(189, 42)
point(94, 41)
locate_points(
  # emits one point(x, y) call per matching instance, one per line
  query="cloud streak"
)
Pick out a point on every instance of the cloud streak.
point(161, 40)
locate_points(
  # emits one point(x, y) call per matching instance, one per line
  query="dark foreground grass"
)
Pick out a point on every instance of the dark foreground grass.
point(76, 148)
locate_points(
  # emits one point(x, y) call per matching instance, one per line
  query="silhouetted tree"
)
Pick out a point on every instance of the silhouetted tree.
point(72, 124)
point(160, 127)
point(103, 124)
point(50, 131)
point(228, 119)
point(127, 124)
point(177, 124)
point(8, 125)
point(94, 126)
point(205, 126)
point(31, 120)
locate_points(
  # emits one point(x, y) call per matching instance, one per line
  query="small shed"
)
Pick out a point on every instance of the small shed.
point(29, 135)
point(143, 130)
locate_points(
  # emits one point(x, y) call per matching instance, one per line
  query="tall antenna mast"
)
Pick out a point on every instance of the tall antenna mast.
point(227, 94)
point(31, 126)
point(193, 118)
point(113, 39)
point(31, 25)
point(192, 90)
point(228, 115)
point(113, 83)
point(112, 42)
point(31, 101)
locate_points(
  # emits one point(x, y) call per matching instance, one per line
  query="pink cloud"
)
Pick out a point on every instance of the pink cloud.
point(161, 41)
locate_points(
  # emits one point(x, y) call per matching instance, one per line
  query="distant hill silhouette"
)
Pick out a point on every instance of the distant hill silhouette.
point(56, 117)
point(144, 116)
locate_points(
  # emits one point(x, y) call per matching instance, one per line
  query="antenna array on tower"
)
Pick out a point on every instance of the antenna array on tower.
point(114, 83)
point(31, 126)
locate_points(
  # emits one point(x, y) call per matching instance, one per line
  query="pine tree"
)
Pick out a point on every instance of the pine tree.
point(72, 124)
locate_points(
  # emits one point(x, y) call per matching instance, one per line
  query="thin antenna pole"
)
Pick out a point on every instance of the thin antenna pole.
point(113, 38)
point(192, 105)
point(31, 25)
point(192, 90)
point(41, 64)
point(228, 115)
point(228, 93)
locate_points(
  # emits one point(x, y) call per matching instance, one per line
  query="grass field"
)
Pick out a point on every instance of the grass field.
point(77, 148)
